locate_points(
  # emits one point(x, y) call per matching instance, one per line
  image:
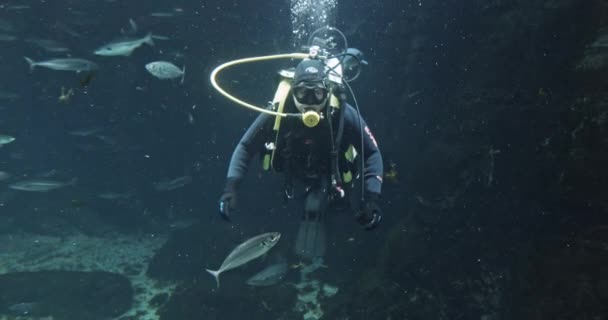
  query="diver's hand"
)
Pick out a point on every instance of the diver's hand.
point(228, 200)
point(370, 215)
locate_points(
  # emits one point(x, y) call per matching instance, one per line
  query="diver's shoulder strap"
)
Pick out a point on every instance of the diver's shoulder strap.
point(278, 102)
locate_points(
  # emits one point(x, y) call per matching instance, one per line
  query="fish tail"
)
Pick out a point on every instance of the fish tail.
point(183, 73)
point(149, 39)
point(31, 62)
point(216, 275)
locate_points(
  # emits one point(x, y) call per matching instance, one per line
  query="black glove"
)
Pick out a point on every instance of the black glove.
point(370, 213)
point(228, 199)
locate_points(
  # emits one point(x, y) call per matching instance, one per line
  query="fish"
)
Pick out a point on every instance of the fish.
point(114, 196)
point(18, 7)
point(165, 70)
point(123, 47)
point(7, 37)
point(5, 95)
point(40, 185)
point(85, 132)
point(5, 139)
point(245, 252)
point(160, 14)
point(67, 64)
point(24, 308)
point(62, 27)
point(172, 184)
point(4, 175)
point(270, 275)
point(132, 29)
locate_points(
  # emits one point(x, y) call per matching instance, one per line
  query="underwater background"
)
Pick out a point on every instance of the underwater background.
point(492, 118)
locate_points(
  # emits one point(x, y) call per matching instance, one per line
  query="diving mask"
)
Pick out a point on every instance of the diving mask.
point(310, 97)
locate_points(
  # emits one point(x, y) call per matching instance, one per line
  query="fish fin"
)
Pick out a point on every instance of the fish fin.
point(149, 40)
point(31, 62)
point(183, 74)
point(216, 275)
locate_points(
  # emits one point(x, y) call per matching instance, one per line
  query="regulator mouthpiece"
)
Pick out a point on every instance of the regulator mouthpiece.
point(311, 118)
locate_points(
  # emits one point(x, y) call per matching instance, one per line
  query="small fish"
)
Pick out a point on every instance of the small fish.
point(249, 250)
point(68, 64)
point(159, 14)
point(85, 132)
point(4, 175)
point(269, 276)
point(40, 185)
point(106, 139)
point(172, 184)
point(62, 27)
point(6, 139)
point(7, 37)
point(18, 7)
point(123, 47)
point(131, 30)
point(114, 196)
point(165, 70)
point(5, 95)
point(24, 308)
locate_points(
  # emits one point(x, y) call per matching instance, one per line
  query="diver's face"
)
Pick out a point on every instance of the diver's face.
point(310, 96)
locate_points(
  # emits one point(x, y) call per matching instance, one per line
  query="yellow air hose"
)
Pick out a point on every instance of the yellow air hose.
point(219, 68)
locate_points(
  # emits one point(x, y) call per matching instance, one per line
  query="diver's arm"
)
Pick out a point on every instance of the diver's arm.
point(249, 145)
point(373, 166)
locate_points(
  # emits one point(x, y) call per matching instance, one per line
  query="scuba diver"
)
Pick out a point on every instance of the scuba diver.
point(320, 155)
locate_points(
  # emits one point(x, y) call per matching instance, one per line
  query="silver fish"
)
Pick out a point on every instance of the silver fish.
point(24, 308)
point(165, 70)
point(123, 47)
point(18, 7)
point(85, 132)
point(269, 276)
point(132, 29)
point(68, 64)
point(4, 175)
point(114, 196)
point(40, 185)
point(7, 37)
point(172, 184)
point(6, 139)
point(245, 252)
point(5, 95)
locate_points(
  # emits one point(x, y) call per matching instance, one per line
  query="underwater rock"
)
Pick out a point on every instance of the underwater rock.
point(65, 295)
point(192, 299)
point(563, 277)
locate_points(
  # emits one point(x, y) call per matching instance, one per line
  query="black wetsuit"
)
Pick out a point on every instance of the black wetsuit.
point(304, 153)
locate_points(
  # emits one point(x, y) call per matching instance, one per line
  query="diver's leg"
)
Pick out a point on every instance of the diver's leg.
point(311, 242)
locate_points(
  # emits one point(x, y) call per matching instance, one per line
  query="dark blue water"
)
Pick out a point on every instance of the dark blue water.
point(490, 115)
